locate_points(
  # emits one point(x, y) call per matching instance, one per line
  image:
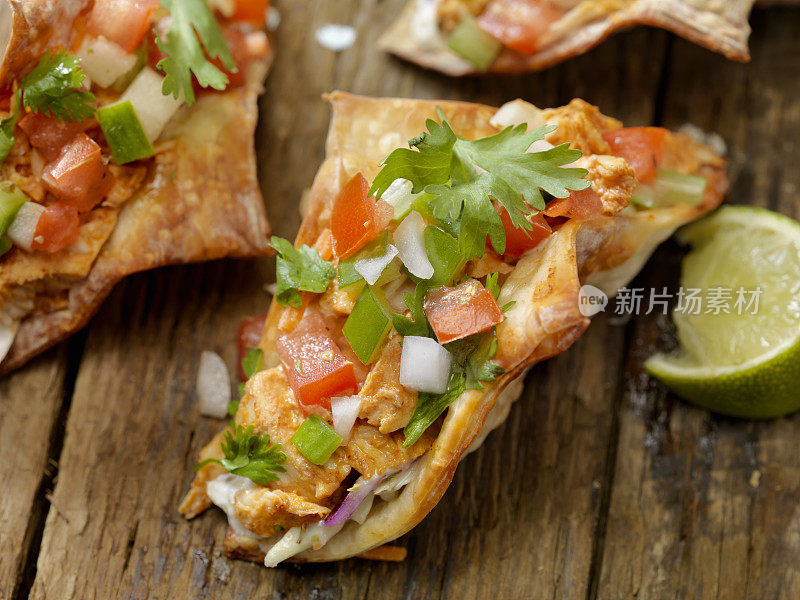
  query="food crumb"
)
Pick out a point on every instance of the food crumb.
point(336, 37)
point(755, 478)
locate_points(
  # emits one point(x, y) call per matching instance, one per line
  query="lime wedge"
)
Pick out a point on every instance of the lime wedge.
point(739, 349)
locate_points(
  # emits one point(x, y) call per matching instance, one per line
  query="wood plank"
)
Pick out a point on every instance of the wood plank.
point(133, 431)
point(705, 506)
point(30, 402)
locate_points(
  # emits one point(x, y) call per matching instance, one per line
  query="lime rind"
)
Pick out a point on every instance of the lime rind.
point(745, 364)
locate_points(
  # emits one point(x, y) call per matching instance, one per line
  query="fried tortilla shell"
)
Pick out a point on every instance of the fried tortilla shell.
point(544, 283)
point(719, 26)
point(197, 200)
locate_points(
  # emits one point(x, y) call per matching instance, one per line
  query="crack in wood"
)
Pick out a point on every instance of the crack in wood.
point(41, 505)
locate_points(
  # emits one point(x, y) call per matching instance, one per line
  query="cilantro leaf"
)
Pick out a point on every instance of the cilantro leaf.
point(430, 406)
point(299, 269)
point(471, 365)
point(233, 407)
point(250, 455)
point(493, 284)
point(7, 127)
point(464, 176)
point(418, 323)
point(427, 161)
point(251, 363)
point(184, 53)
point(53, 88)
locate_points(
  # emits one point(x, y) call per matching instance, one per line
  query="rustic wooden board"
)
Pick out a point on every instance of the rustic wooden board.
point(30, 434)
point(704, 506)
point(599, 485)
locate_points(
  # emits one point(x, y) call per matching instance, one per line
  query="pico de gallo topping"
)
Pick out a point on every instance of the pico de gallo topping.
point(89, 114)
point(394, 312)
point(460, 200)
point(479, 31)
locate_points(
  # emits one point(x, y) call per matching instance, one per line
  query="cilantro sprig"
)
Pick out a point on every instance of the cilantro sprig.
point(250, 455)
point(192, 23)
point(418, 323)
point(299, 269)
point(464, 176)
point(53, 88)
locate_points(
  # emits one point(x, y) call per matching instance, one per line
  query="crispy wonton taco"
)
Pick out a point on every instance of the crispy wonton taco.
point(459, 37)
point(127, 145)
point(402, 326)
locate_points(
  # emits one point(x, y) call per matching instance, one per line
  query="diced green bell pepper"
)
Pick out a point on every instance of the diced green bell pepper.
point(678, 188)
point(368, 324)
point(316, 440)
point(11, 199)
point(644, 196)
point(124, 132)
point(474, 44)
point(670, 188)
point(444, 254)
point(5, 245)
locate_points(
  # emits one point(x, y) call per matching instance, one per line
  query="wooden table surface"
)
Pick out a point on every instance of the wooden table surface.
point(600, 485)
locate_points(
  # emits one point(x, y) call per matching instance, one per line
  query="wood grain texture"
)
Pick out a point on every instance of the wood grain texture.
point(704, 506)
point(29, 404)
point(599, 485)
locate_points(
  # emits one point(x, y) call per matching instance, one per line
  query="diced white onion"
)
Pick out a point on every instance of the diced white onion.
point(152, 107)
point(424, 365)
point(425, 25)
point(6, 340)
point(394, 293)
point(335, 37)
point(24, 225)
point(371, 268)
point(540, 146)
point(517, 112)
point(104, 61)
point(273, 18)
point(345, 409)
point(37, 163)
point(410, 242)
point(213, 385)
point(399, 195)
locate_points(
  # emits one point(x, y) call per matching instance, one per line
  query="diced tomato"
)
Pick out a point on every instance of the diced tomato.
point(252, 11)
point(122, 21)
point(249, 336)
point(357, 219)
point(641, 147)
point(584, 204)
point(57, 228)
point(518, 241)
point(456, 312)
point(519, 24)
point(77, 175)
point(50, 136)
point(315, 367)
